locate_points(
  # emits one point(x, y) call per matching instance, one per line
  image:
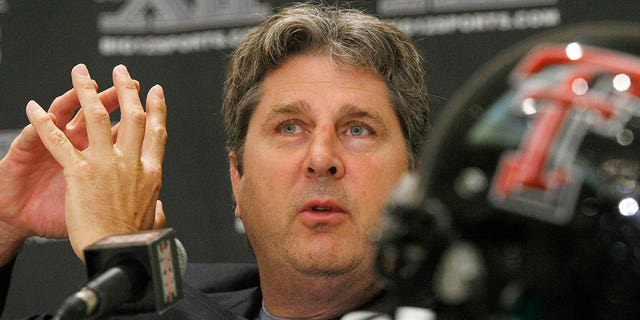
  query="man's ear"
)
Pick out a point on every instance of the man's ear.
point(234, 175)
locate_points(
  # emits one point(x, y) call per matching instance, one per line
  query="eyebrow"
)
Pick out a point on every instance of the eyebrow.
point(298, 106)
point(359, 112)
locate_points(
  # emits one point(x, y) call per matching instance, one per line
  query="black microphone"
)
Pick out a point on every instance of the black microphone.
point(409, 248)
point(130, 273)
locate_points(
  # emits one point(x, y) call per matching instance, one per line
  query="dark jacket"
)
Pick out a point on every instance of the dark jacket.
point(213, 291)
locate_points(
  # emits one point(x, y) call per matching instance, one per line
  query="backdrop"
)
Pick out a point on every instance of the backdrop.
point(184, 45)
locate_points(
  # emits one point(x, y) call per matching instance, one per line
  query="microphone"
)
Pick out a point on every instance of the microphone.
point(135, 272)
point(409, 248)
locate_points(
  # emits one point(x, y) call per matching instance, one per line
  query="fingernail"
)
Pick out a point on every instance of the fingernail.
point(158, 91)
point(33, 107)
point(122, 70)
point(81, 70)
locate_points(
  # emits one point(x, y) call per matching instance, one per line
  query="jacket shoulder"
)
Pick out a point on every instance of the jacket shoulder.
point(228, 291)
point(221, 277)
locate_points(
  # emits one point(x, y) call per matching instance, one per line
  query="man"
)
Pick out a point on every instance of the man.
point(324, 108)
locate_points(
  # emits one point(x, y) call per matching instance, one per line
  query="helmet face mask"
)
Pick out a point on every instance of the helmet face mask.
point(536, 160)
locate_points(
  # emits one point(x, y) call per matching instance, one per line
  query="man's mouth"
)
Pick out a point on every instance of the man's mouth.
point(323, 206)
point(322, 212)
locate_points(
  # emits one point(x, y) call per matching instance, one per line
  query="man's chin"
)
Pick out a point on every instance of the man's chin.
point(326, 262)
point(324, 269)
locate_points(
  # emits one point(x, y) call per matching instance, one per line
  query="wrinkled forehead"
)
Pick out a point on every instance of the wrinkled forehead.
point(305, 81)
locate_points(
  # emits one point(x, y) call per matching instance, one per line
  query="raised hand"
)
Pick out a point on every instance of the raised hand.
point(31, 181)
point(111, 182)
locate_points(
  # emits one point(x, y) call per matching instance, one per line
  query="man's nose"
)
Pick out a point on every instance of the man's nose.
point(323, 158)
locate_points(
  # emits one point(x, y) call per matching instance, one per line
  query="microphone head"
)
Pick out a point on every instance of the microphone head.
point(160, 255)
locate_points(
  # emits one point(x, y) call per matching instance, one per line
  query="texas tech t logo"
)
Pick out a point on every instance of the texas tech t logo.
point(569, 91)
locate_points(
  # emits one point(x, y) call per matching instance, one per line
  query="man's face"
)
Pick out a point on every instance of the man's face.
point(323, 151)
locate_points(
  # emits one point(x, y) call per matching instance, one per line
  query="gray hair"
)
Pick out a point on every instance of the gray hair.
point(352, 39)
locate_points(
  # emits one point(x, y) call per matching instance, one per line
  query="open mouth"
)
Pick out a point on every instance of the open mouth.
point(323, 211)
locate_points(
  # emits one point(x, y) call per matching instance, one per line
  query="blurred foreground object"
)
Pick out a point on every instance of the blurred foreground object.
point(536, 161)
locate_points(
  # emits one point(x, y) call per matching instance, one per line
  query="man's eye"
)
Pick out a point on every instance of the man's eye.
point(358, 130)
point(289, 128)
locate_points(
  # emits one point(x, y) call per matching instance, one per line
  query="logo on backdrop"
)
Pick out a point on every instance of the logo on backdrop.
point(165, 27)
point(445, 17)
